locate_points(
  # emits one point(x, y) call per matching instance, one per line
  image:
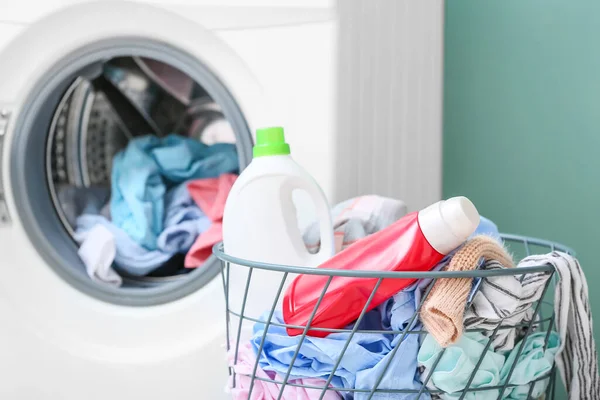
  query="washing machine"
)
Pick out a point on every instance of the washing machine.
point(258, 62)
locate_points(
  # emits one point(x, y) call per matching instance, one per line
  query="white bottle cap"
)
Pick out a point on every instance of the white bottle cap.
point(448, 223)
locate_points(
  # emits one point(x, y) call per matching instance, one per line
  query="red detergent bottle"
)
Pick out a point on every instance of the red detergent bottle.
point(416, 242)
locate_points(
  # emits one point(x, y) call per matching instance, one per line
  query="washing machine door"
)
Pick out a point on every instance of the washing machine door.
point(64, 337)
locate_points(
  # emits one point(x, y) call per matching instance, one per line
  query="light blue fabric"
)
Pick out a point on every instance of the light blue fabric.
point(366, 356)
point(533, 363)
point(142, 173)
point(183, 222)
point(457, 363)
point(318, 355)
point(402, 370)
point(487, 227)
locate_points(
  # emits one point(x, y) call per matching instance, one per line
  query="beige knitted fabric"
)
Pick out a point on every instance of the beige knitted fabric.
point(443, 310)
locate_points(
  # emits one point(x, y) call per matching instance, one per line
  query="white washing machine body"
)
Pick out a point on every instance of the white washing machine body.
point(277, 63)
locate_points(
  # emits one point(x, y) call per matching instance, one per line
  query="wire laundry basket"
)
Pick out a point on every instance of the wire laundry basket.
point(541, 321)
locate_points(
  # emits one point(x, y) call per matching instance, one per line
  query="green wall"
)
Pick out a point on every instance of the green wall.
point(522, 119)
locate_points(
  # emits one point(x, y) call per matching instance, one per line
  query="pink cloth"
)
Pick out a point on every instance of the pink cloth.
point(268, 390)
point(210, 195)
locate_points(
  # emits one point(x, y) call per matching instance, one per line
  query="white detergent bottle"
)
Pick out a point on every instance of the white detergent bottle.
point(260, 224)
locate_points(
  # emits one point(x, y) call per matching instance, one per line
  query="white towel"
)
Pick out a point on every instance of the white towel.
point(98, 252)
point(577, 357)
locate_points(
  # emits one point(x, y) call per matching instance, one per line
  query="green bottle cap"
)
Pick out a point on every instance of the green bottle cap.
point(270, 142)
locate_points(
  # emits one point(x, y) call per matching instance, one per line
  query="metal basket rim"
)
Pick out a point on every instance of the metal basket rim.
point(221, 255)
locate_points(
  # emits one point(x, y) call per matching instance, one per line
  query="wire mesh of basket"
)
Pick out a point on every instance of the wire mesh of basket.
point(541, 321)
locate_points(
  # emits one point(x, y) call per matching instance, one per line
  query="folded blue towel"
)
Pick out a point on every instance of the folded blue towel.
point(142, 173)
point(183, 222)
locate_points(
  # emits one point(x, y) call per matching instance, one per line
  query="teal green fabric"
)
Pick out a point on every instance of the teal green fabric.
point(533, 362)
point(454, 369)
point(458, 361)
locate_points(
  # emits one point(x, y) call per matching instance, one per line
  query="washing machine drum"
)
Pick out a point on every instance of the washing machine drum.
point(92, 116)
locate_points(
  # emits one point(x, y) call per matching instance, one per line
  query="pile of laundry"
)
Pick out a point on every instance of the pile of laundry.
point(165, 203)
point(435, 338)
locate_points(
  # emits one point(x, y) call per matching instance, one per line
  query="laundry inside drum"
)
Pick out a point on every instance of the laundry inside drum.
point(139, 159)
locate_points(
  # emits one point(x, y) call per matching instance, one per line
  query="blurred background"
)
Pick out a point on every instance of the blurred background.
point(521, 123)
point(521, 127)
